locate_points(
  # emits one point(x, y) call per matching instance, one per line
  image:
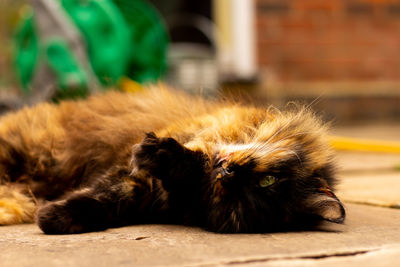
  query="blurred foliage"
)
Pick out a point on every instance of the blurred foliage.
point(10, 11)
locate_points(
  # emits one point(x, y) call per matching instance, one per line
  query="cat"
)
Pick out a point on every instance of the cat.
point(161, 156)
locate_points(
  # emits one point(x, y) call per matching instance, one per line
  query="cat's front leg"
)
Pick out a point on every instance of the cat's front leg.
point(80, 212)
point(169, 161)
point(114, 200)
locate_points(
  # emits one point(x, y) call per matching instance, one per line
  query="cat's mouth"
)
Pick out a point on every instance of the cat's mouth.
point(219, 177)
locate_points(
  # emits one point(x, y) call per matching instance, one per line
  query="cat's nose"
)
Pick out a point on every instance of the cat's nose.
point(223, 174)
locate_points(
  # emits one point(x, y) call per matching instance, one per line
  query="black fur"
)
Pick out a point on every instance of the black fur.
point(163, 167)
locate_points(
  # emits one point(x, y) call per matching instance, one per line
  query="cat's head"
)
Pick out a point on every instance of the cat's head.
point(282, 178)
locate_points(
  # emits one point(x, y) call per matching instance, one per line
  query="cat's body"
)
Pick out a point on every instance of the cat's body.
point(225, 167)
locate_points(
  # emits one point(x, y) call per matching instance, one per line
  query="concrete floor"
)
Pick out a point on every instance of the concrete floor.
point(370, 236)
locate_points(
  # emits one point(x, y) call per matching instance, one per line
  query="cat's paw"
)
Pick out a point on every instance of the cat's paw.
point(166, 159)
point(157, 155)
point(71, 216)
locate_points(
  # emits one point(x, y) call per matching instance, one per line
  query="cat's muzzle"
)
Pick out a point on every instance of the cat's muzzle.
point(222, 175)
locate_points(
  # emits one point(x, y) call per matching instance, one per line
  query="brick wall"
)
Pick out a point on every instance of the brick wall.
point(334, 40)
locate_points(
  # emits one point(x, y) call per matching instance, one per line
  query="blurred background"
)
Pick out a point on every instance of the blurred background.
point(340, 55)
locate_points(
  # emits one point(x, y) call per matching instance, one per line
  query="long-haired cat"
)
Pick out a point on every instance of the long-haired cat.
point(164, 157)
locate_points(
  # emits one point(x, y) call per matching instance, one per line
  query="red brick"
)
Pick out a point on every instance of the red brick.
point(317, 5)
point(308, 45)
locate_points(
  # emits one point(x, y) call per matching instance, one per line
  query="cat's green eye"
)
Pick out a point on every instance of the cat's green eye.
point(267, 181)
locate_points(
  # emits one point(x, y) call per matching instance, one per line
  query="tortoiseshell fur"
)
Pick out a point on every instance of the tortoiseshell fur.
point(160, 156)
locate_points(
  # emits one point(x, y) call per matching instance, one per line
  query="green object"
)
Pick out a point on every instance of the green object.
point(124, 38)
point(25, 51)
point(107, 36)
point(72, 79)
point(149, 38)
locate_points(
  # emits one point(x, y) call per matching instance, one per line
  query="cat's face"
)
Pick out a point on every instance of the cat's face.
point(270, 186)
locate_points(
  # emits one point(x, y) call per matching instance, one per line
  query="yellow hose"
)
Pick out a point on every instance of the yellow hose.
point(366, 145)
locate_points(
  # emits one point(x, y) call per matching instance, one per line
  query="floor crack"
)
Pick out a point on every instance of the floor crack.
point(317, 256)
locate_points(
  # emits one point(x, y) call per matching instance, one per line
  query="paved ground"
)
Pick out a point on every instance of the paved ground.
point(370, 237)
point(370, 178)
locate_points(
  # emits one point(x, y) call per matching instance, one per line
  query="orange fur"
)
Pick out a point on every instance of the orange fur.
point(66, 142)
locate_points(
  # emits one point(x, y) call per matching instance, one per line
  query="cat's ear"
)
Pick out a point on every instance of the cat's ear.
point(326, 205)
point(151, 135)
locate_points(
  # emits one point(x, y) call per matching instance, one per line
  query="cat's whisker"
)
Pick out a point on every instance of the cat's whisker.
point(314, 101)
point(223, 226)
point(290, 151)
point(298, 134)
point(283, 127)
point(262, 152)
